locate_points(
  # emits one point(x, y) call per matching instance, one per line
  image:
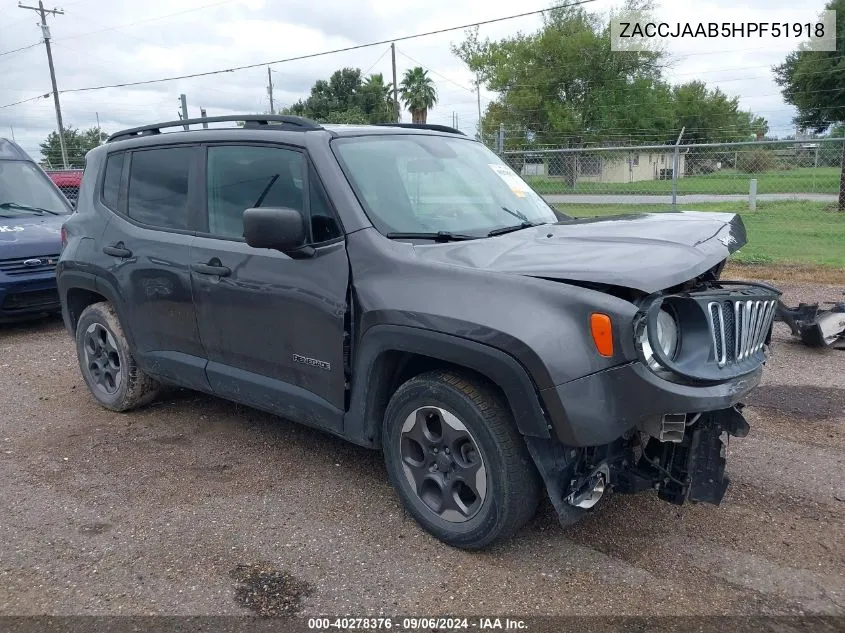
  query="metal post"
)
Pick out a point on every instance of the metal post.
point(752, 194)
point(395, 87)
point(270, 89)
point(204, 123)
point(45, 31)
point(478, 94)
point(675, 164)
point(184, 100)
point(841, 204)
point(500, 140)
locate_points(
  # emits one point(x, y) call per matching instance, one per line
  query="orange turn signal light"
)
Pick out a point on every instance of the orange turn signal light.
point(602, 331)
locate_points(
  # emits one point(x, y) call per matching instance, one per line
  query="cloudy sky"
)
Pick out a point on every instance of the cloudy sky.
point(100, 42)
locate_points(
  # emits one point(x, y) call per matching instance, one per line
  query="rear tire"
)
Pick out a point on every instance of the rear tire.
point(107, 364)
point(457, 461)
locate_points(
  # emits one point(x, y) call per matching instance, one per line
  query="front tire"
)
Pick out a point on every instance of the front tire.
point(457, 461)
point(107, 364)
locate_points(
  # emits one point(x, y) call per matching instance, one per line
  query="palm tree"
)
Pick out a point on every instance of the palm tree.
point(418, 93)
point(377, 99)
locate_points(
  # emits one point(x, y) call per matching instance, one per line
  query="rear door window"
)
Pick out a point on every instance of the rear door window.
point(159, 182)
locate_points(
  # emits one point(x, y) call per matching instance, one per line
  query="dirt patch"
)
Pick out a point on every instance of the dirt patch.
point(785, 272)
point(172, 440)
point(815, 403)
point(94, 529)
point(268, 591)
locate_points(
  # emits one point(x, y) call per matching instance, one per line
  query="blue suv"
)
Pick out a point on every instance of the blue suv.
point(32, 210)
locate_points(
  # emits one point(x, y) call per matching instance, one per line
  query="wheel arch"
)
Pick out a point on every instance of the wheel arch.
point(389, 355)
point(78, 290)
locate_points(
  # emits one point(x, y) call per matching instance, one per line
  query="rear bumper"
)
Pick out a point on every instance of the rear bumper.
point(36, 294)
point(599, 408)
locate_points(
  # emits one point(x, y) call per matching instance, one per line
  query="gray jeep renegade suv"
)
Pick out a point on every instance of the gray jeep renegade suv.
point(403, 288)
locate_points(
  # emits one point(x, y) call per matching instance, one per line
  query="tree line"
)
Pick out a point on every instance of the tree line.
point(347, 97)
point(563, 85)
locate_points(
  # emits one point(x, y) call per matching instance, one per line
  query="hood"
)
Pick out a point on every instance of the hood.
point(30, 235)
point(644, 251)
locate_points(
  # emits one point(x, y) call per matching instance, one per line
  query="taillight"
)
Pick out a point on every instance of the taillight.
point(64, 237)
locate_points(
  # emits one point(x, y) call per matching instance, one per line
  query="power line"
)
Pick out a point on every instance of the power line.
point(22, 48)
point(373, 65)
point(324, 53)
point(434, 72)
point(9, 105)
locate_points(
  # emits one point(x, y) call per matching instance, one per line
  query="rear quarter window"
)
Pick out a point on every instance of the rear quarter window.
point(111, 180)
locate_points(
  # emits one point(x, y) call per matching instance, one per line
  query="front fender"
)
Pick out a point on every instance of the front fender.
point(371, 373)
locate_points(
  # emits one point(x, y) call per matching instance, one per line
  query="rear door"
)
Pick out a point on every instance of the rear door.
point(272, 326)
point(146, 250)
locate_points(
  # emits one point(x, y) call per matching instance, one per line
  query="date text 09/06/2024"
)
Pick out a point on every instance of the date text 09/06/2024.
point(418, 623)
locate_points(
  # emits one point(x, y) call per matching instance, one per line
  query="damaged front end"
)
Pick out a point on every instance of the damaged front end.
point(700, 351)
point(687, 464)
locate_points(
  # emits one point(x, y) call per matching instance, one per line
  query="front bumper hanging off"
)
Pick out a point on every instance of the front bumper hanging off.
point(689, 467)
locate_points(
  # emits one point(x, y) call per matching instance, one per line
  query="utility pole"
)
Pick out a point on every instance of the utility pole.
point(45, 31)
point(270, 90)
point(395, 87)
point(184, 101)
point(99, 130)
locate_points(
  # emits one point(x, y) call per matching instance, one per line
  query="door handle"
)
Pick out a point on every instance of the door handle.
point(117, 250)
point(208, 269)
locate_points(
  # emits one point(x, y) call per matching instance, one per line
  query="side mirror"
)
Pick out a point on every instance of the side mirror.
point(279, 228)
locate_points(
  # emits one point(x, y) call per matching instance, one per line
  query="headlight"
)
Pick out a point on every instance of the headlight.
point(667, 337)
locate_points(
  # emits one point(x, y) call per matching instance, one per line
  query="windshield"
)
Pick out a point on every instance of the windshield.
point(23, 187)
point(411, 183)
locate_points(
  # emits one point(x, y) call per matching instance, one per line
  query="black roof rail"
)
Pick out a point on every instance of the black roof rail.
point(424, 126)
point(249, 120)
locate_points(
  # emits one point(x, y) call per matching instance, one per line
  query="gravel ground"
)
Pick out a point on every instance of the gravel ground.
point(198, 506)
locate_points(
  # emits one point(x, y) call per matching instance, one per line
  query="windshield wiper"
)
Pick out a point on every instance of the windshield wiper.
point(439, 236)
point(264, 193)
point(14, 206)
point(517, 214)
point(511, 229)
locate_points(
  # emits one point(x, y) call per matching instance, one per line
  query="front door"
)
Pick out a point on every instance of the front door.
point(272, 326)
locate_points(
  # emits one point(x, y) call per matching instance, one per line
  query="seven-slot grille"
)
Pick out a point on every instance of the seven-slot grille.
point(27, 265)
point(739, 327)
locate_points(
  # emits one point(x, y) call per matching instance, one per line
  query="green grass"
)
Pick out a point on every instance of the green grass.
point(782, 232)
point(801, 180)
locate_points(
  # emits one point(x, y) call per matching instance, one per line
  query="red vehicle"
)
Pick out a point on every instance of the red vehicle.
point(68, 180)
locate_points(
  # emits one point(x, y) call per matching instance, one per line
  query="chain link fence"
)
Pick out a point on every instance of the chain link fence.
point(678, 174)
point(68, 180)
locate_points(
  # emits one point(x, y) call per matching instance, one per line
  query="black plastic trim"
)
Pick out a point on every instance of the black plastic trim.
point(499, 367)
point(423, 126)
